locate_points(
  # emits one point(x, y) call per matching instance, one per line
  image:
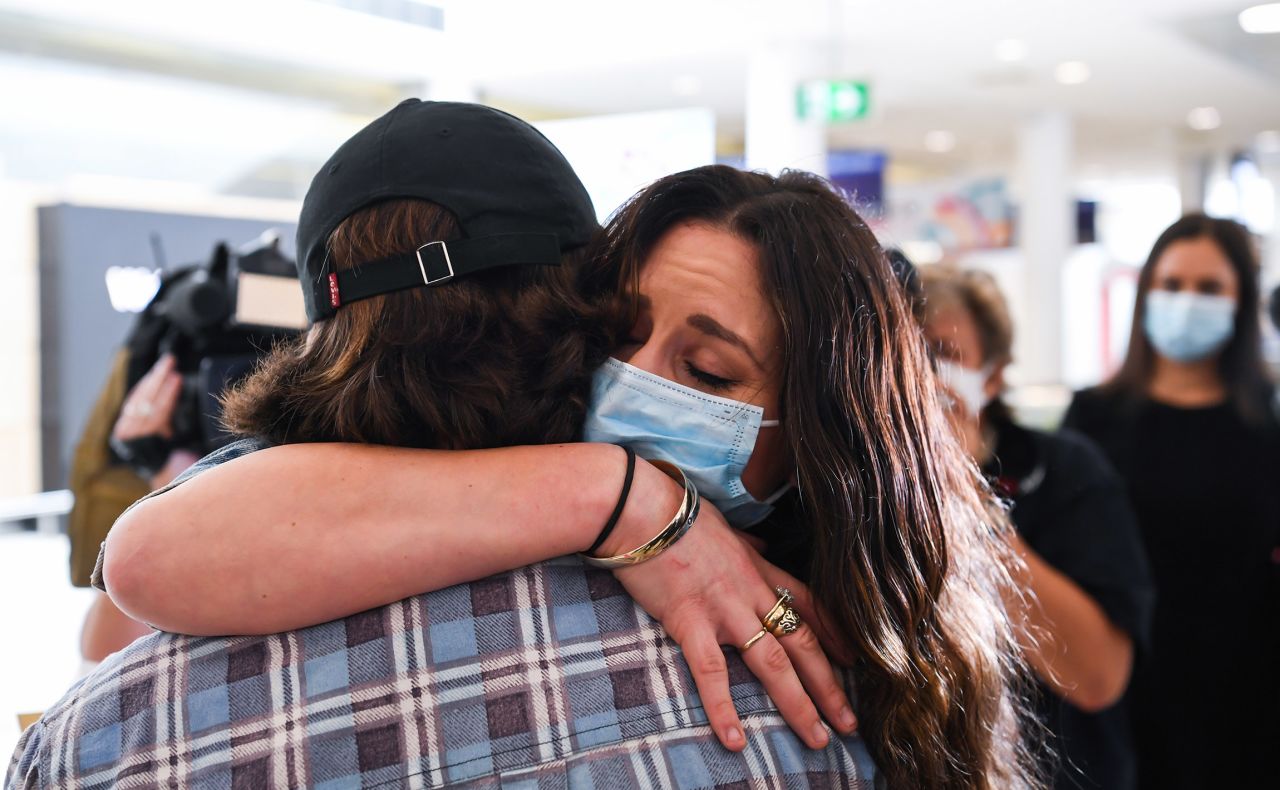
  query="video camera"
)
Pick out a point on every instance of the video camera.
point(217, 318)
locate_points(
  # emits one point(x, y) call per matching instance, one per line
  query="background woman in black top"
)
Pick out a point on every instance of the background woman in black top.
point(1189, 422)
point(1084, 565)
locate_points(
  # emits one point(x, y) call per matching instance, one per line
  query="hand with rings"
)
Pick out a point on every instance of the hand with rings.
point(712, 588)
point(780, 621)
point(149, 406)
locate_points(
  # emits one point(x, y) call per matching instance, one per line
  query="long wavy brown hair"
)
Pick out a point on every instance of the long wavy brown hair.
point(907, 553)
point(499, 358)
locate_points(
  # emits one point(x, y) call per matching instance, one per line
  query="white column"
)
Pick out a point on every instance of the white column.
point(775, 137)
point(1193, 179)
point(1046, 229)
point(1269, 165)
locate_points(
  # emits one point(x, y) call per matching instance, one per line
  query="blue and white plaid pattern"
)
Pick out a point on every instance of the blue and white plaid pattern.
point(545, 677)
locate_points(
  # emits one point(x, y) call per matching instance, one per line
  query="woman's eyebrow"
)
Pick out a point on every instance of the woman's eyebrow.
point(709, 326)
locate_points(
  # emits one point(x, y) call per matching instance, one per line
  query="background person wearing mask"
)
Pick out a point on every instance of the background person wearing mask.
point(1189, 422)
point(1076, 533)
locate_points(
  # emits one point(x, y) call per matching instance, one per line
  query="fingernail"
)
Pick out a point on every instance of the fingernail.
point(848, 721)
point(820, 735)
point(733, 735)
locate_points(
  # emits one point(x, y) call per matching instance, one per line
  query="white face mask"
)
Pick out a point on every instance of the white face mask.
point(967, 384)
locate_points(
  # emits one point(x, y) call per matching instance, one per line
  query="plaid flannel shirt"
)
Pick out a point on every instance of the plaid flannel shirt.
point(545, 677)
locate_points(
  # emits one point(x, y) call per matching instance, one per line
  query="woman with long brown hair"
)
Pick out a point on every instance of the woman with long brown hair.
point(1189, 421)
point(768, 351)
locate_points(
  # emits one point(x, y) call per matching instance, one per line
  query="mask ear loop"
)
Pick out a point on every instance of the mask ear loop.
point(782, 490)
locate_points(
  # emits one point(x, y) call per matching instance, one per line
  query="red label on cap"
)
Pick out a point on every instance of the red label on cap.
point(334, 299)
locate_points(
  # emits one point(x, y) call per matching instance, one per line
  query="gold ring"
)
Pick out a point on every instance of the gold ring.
point(786, 623)
point(753, 640)
point(784, 603)
point(782, 618)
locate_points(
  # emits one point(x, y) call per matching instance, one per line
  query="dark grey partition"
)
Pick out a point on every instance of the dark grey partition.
point(79, 330)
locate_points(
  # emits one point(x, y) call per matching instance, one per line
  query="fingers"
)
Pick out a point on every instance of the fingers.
point(148, 408)
point(165, 401)
point(149, 385)
point(145, 391)
point(808, 608)
point(711, 675)
point(808, 657)
point(818, 678)
point(771, 664)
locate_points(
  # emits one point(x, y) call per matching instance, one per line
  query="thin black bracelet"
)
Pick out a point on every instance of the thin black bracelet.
point(622, 501)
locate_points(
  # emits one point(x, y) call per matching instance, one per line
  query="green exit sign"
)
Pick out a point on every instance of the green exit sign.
point(833, 100)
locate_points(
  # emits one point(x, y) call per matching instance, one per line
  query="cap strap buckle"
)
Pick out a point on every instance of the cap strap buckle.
point(426, 280)
point(395, 272)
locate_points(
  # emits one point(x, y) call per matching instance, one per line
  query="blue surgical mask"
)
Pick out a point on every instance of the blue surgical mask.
point(1188, 327)
point(709, 437)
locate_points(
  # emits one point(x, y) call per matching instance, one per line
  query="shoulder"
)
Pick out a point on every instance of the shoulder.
point(27, 769)
point(230, 452)
point(773, 757)
point(1099, 412)
point(1075, 453)
point(1093, 402)
point(1073, 472)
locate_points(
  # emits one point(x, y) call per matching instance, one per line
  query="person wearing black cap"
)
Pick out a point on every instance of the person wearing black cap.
point(513, 196)
point(474, 343)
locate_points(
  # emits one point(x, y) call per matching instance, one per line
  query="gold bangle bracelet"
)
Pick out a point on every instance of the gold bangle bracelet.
point(680, 524)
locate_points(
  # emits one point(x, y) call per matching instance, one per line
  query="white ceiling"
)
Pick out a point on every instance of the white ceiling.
point(291, 78)
point(932, 65)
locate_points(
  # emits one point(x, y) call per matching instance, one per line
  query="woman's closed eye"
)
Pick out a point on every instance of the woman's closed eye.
point(708, 379)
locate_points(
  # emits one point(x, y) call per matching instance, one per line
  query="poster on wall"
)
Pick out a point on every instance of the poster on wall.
point(953, 215)
point(861, 175)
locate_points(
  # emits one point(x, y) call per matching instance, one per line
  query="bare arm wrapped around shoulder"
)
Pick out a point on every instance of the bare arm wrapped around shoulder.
point(299, 534)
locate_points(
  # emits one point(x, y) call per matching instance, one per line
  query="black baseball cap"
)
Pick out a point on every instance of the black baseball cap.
point(514, 194)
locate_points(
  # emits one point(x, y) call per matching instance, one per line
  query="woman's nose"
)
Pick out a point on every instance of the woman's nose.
point(649, 356)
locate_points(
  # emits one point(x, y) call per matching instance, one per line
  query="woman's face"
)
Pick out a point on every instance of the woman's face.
point(953, 335)
point(704, 322)
point(1196, 266)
